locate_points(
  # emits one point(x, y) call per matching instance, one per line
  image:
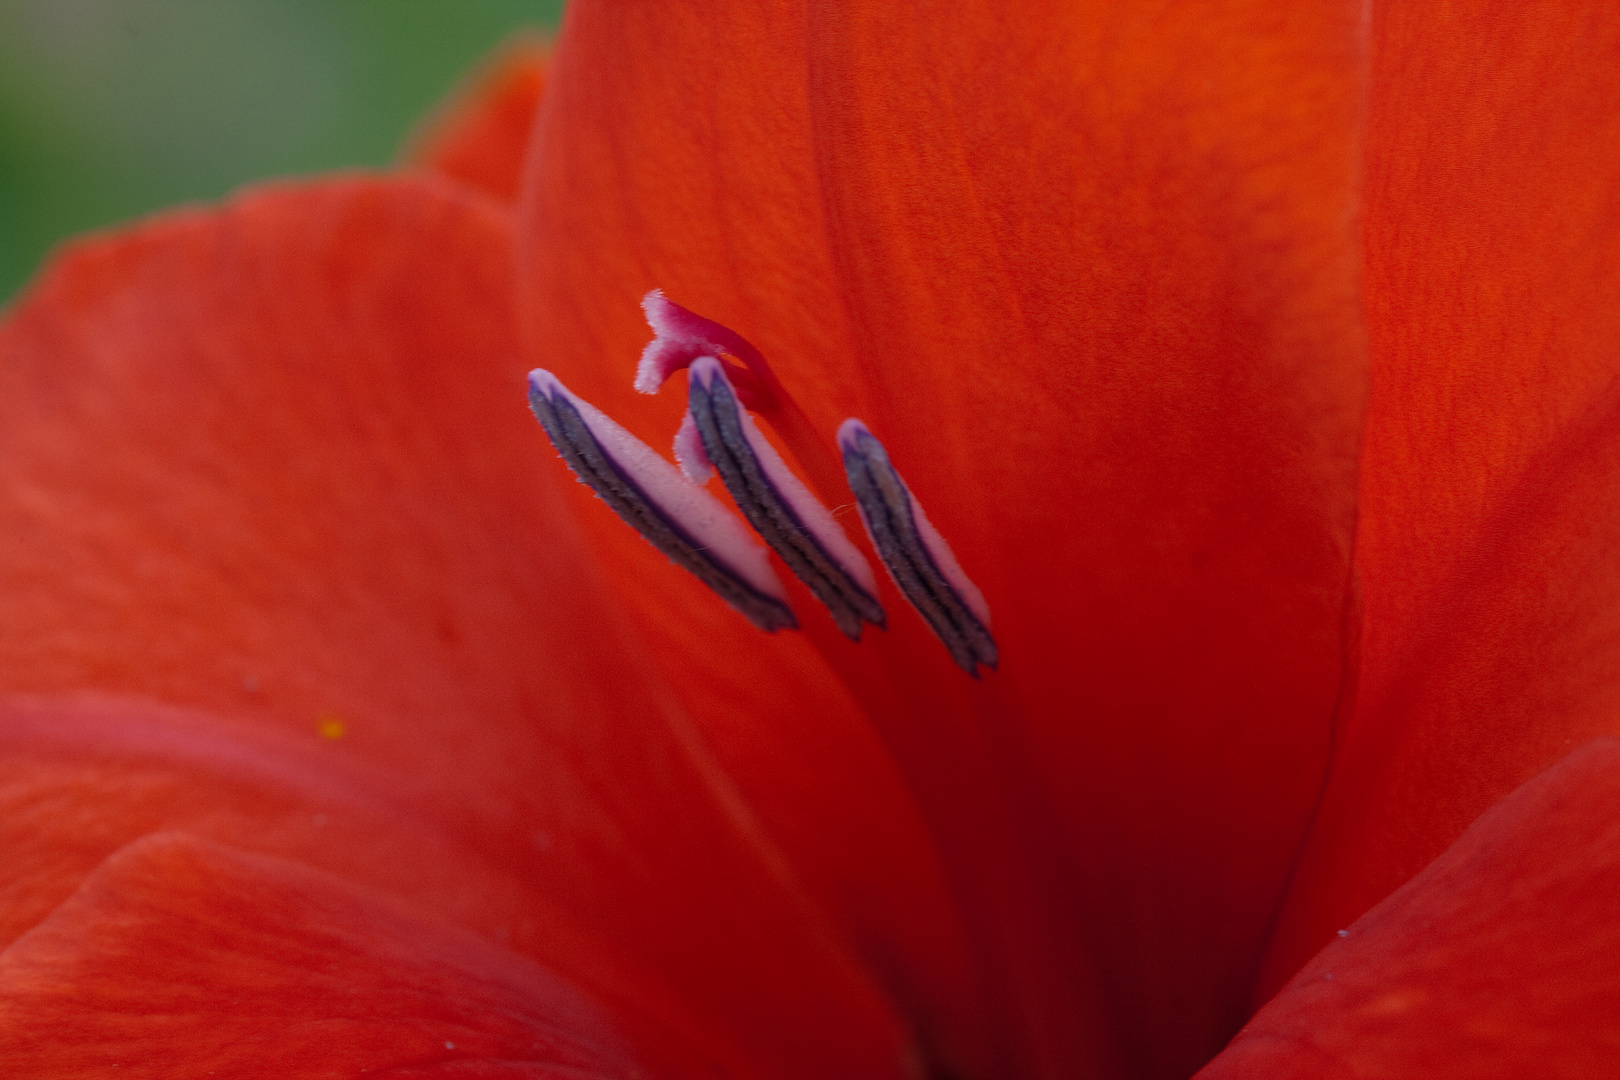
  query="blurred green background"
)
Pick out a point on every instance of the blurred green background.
point(113, 108)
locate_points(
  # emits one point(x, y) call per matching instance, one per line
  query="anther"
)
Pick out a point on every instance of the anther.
point(777, 503)
point(678, 518)
point(916, 555)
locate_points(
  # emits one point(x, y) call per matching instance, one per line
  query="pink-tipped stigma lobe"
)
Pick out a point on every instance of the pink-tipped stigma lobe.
point(680, 337)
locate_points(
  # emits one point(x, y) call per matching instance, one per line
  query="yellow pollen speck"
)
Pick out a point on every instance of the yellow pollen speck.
point(330, 727)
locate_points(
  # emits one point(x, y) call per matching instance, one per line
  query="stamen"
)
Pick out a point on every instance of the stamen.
point(680, 519)
point(778, 504)
point(917, 556)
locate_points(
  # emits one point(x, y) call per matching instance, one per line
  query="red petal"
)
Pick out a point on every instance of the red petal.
point(272, 462)
point(184, 958)
point(1502, 959)
point(824, 789)
point(480, 136)
point(79, 781)
point(1489, 553)
point(1087, 272)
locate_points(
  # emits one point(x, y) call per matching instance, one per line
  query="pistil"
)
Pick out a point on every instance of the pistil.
point(682, 336)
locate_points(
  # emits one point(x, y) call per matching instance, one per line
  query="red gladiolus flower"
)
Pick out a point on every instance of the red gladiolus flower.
point(1260, 365)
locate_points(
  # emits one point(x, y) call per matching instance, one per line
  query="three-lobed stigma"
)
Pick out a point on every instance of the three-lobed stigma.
point(681, 519)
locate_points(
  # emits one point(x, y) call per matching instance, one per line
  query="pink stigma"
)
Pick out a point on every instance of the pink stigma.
point(682, 337)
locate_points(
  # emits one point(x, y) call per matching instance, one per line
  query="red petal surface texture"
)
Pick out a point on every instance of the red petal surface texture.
point(1497, 961)
point(1091, 280)
point(1489, 552)
point(183, 958)
point(270, 465)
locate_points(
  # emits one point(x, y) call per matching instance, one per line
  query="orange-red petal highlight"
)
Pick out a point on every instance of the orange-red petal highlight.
point(1489, 550)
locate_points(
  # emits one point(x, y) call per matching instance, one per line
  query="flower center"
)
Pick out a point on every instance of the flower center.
point(728, 377)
